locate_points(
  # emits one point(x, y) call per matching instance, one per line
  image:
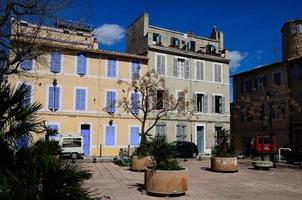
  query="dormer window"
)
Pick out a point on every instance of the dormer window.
point(175, 42)
point(191, 45)
point(157, 38)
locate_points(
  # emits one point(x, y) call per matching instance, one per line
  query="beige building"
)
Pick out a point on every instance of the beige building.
point(288, 72)
point(77, 85)
point(197, 64)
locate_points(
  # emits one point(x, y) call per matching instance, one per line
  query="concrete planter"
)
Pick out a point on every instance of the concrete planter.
point(166, 181)
point(262, 164)
point(224, 164)
point(139, 164)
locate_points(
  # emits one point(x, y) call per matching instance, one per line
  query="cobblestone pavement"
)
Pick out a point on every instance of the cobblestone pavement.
point(120, 183)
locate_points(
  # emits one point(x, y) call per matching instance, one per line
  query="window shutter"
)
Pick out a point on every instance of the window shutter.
point(133, 71)
point(57, 98)
point(205, 103)
point(55, 62)
point(114, 68)
point(223, 105)
point(194, 102)
point(198, 70)
point(219, 73)
point(137, 103)
point(159, 71)
point(110, 135)
point(187, 69)
point(80, 99)
point(201, 71)
point(27, 97)
point(132, 103)
point(216, 73)
point(81, 64)
point(178, 132)
point(163, 65)
point(26, 64)
point(134, 136)
point(110, 99)
point(213, 104)
point(50, 98)
point(175, 68)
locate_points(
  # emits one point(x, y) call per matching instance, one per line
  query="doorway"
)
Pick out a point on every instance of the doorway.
point(200, 139)
point(85, 132)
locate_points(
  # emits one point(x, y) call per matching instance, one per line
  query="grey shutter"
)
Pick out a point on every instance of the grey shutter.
point(163, 65)
point(187, 69)
point(205, 103)
point(215, 73)
point(198, 77)
point(223, 105)
point(177, 132)
point(219, 73)
point(194, 102)
point(175, 68)
point(213, 104)
point(158, 67)
point(201, 70)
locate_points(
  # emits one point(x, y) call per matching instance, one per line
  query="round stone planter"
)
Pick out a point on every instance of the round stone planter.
point(166, 181)
point(224, 164)
point(139, 164)
point(262, 164)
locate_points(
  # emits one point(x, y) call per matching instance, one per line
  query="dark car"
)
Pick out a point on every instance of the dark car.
point(295, 155)
point(182, 149)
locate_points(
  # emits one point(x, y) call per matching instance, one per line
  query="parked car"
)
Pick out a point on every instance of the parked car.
point(183, 149)
point(72, 146)
point(256, 144)
point(295, 155)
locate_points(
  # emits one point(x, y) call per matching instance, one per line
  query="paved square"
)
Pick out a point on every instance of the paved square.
point(283, 183)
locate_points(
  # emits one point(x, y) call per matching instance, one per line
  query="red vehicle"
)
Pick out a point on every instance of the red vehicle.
point(256, 144)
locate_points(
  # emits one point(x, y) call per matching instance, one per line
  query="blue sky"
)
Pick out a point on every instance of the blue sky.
point(251, 27)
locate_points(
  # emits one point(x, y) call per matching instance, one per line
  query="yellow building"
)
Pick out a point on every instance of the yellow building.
point(77, 85)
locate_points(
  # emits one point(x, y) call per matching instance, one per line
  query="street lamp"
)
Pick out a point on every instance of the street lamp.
point(54, 83)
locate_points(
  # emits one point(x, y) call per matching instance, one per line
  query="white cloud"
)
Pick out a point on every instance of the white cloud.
point(236, 57)
point(109, 34)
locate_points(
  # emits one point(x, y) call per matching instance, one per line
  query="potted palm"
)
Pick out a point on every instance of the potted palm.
point(224, 157)
point(165, 175)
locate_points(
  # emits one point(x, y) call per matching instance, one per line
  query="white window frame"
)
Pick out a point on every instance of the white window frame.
point(75, 98)
point(115, 136)
point(221, 74)
point(116, 70)
point(129, 135)
point(204, 71)
point(166, 63)
point(203, 93)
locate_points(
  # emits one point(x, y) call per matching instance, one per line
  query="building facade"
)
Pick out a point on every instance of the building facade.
point(77, 85)
point(286, 73)
point(199, 65)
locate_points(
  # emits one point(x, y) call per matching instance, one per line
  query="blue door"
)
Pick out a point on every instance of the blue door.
point(200, 139)
point(85, 132)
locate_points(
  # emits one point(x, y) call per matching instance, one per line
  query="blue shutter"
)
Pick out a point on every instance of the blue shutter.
point(53, 127)
point(80, 99)
point(135, 69)
point(27, 97)
point(55, 62)
point(110, 99)
point(110, 135)
point(136, 103)
point(22, 141)
point(81, 64)
point(50, 98)
point(134, 136)
point(111, 68)
point(26, 64)
point(57, 98)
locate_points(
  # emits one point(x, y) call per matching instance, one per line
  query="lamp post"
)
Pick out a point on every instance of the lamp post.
point(54, 83)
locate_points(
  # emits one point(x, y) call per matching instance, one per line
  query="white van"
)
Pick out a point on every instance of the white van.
point(72, 146)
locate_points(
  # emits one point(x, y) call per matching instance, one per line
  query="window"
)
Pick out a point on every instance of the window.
point(110, 101)
point(181, 132)
point(157, 38)
point(135, 70)
point(191, 46)
point(199, 70)
point(109, 135)
point(53, 98)
point(53, 127)
point(80, 101)
point(135, 103)
point(26, 65)
point(217, 132)
point(27, 98)
point(71, 142)
point(218, 104)
point(181, 68)
point(296, 72)
point(160, 130)
point(293, 29)
point(55, 62)
point(262, 82)
point(277, 78)
point(299, 28)
point(181, 99)
point(217, 73)
point(134, 136)
point(160, 99)
point(111, 68)
point(81, 64)
point(175, 42)
point(161, 64)
point(246, 86)
point(200, 103)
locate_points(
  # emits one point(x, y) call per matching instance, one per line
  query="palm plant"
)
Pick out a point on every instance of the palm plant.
point(224, 146)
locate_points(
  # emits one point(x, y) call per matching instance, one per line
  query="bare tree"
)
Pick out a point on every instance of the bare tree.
point(148, 100)
point(266, 107)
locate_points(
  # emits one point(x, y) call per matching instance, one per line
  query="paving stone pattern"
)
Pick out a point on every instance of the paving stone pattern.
point(121, 184)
